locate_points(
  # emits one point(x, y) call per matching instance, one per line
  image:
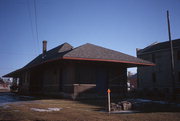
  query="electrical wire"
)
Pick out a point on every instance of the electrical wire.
point(31, 23)
point(36, 25)
point(15, 54)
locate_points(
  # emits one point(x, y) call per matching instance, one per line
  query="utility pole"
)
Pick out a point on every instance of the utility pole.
point(172, 58)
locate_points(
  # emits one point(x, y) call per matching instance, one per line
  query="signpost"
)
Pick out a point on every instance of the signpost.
point(109, 100)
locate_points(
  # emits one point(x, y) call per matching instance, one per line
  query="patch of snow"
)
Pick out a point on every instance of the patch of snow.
point(11, 97)
point(54, 109)
point(121, 112)
point(40, 110)
point(143, 100)
point(30, 97)
point(149, 101)
point(160, 102)
point(46, 110)
point(19, 103)
point(124, 112)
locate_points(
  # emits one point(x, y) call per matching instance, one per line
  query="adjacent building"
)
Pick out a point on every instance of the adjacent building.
point(132, 80)
point(85, 71)
point(158, 78)
point(3, 84)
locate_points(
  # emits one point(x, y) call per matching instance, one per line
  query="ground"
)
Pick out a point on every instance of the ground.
point(24, 108)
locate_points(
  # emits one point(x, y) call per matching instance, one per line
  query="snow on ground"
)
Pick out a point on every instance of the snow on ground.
point(124, 112)
point(160, 102)
point(46, 110)
point(142, 100)
point(11, 97)
point(139, 100)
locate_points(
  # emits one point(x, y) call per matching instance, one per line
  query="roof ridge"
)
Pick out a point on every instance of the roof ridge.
point(78, 47)
point(99, 47)
point(106, 49)
point(49, 54)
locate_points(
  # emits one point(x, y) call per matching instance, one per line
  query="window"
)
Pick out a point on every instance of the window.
point(154, 77)
point(178, 55)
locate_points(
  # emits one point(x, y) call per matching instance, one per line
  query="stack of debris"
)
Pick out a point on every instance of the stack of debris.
point(123, 105)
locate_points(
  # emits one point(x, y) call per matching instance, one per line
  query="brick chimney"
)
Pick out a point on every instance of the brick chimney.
point(44, 47)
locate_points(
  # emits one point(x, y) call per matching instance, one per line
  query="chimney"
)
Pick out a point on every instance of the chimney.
point(44, 47)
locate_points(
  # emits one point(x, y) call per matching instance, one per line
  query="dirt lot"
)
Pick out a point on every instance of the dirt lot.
point(68, 110)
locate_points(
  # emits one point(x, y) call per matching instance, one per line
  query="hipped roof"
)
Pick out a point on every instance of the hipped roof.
point(86, 52)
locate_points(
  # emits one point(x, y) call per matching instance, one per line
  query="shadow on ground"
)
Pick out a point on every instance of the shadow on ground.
point(138, 104)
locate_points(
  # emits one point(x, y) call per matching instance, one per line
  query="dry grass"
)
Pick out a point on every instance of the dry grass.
point(75, 111)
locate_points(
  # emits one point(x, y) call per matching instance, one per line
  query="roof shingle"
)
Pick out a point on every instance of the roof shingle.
point(85, 52)
point(90, 51)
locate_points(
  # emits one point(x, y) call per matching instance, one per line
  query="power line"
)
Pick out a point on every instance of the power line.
point(10, 53)
point(31, 23)
point(36, 25)
point(6, 68)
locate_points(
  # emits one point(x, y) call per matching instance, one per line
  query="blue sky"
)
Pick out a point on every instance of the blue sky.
point(121, 25)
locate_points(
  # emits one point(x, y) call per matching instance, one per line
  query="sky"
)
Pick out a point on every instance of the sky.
point(121, 25)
